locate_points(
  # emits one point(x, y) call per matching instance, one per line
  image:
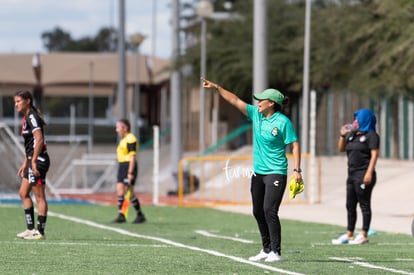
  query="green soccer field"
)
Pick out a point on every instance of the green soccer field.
point(80, 239)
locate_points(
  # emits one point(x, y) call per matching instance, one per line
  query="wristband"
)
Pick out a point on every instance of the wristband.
point(297, 170)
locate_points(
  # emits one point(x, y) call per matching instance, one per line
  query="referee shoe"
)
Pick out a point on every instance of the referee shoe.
point(119, 219)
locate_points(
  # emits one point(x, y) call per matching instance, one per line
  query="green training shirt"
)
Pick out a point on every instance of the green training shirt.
point(270, 137)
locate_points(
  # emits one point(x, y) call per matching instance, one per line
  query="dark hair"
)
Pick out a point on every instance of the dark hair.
point(126, 122)
point(279, 108)
point(28, 95)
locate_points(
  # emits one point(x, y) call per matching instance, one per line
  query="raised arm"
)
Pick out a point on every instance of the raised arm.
point(227, 95)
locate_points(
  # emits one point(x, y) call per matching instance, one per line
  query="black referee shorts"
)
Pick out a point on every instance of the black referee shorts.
point(122, 175)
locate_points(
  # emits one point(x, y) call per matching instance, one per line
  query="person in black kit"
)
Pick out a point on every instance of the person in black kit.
point(35, 166)
point(361, 143)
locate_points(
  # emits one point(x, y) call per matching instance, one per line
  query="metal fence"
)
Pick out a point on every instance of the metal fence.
point(218, 180)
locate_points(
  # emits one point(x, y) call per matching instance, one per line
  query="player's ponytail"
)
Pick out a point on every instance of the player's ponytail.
point(39, 113)
point(280, 108)
point(28, 95)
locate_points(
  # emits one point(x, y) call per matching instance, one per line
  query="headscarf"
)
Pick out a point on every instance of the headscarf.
point(366, 120)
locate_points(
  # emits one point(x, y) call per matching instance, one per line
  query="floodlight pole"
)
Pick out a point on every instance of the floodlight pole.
point(91, 106)
point(305, 92)
point(176, 140)
point(204, 9)
point(202, 90)
point(38, 88)
point(259, 46)
point(121, 97)
point(137, 97)
point(136, 40)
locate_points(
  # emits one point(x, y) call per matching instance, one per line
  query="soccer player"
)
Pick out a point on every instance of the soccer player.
point(35, 166)
point(272, 132)
point(127, 170)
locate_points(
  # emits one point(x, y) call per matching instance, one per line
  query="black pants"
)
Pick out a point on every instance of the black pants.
point(267, 194)
point(356, 194)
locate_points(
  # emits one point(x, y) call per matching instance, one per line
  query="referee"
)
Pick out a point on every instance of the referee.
point(127, 170)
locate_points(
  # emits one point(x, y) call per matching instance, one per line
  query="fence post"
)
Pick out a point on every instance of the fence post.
point(156, 165)
point(312, 136)
point(410, 130)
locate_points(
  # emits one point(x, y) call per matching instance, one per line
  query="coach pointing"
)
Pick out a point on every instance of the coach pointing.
point(272, 132)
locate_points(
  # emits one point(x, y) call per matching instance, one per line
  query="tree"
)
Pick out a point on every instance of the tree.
point(58, 40)
point(230, 48)
point(365, 46)
point(106, 40)
point(359, 45)
point(370, 51)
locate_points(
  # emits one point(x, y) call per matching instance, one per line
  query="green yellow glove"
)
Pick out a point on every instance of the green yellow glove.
point(295, 187)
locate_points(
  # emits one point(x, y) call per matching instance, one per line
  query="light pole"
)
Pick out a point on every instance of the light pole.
point(136, 40)
point(175, 103)
point(260, 54)
point(38, 88)
point(305, 92)
point(204, 9)
point(91, 106)
point(121, 100)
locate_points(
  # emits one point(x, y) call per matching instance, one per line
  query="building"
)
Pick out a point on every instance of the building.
point(67, 81)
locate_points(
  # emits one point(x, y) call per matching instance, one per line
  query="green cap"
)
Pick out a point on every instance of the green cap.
point(270, 94)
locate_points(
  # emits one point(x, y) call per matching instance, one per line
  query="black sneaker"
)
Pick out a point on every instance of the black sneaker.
point(119, 219)
point(140, 219)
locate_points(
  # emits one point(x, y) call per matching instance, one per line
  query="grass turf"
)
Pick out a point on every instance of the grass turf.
point(81, 239)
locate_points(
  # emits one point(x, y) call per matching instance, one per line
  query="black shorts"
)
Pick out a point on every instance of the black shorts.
point(122, 175)
point(43, 164)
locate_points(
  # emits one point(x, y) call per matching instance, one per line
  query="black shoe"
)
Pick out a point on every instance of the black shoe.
point(119, 219)
point(140, 219)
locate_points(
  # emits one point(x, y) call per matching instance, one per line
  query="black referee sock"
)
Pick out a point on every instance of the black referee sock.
point(137, 206)
point(120, 203)
point(29, 216)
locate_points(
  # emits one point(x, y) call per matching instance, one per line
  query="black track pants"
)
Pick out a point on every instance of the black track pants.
point(267, 194)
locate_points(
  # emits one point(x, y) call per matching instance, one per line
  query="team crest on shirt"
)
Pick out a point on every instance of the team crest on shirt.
point(275, 131)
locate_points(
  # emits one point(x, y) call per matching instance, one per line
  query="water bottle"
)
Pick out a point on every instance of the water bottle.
point(347, 128)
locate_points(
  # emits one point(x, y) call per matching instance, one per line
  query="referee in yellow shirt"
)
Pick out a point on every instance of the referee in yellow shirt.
point(127, 170)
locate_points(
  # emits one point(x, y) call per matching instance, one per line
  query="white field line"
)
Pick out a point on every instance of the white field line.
point(6, 205)
point(384, 244)
point(404, 260)
point(211, 235)
point(169, 242)
point(368, 265)
point(397, 244)
point(87, 244)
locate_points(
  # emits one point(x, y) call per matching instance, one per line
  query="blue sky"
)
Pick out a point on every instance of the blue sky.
point(23, 21)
